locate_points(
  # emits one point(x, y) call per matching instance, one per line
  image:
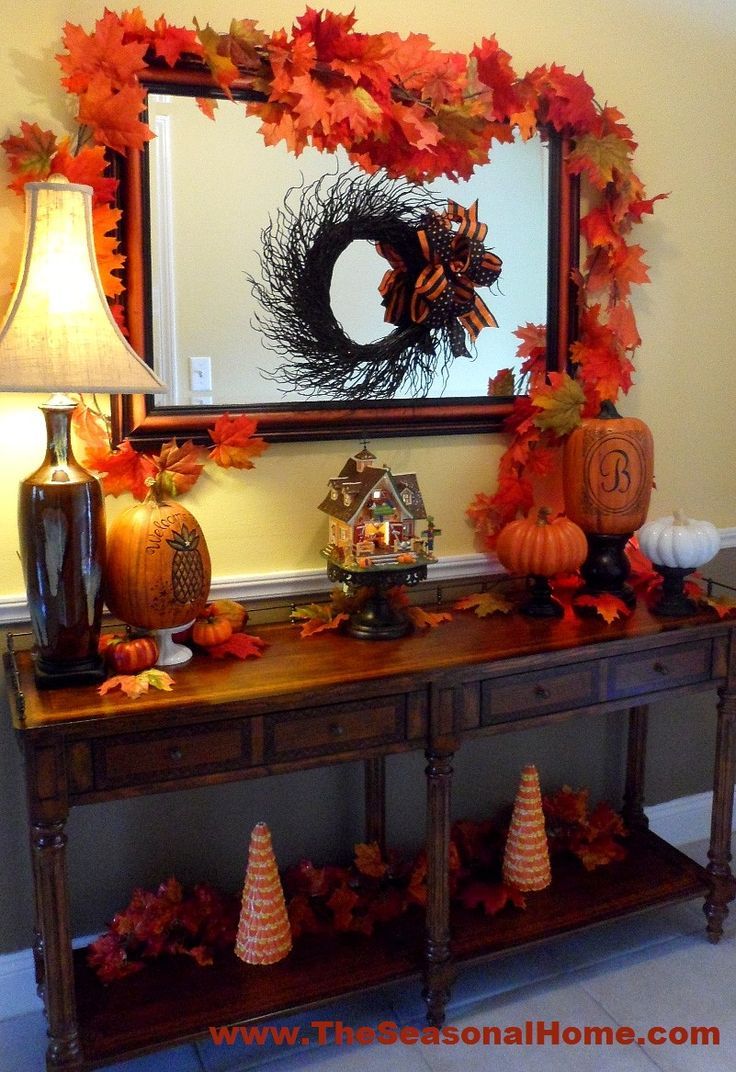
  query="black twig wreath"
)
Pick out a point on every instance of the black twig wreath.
point(300, 249)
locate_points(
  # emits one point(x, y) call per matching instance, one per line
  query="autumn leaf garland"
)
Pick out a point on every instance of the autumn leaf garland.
point(394, 103)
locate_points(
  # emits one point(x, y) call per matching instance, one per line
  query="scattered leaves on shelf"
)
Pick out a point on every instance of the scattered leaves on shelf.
point(491, 896)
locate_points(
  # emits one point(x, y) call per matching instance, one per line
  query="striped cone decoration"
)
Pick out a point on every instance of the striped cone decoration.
point(526, 859)
point(264, 933)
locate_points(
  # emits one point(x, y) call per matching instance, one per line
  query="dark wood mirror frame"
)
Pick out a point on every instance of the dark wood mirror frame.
point(147, 425)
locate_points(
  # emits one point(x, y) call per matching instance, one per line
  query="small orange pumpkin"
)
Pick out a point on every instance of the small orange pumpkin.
point(608, 470)
point(157, 574)
point(211, 630)
point(541, 546)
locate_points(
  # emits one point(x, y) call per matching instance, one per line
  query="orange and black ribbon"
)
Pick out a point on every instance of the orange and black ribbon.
point(444, 290)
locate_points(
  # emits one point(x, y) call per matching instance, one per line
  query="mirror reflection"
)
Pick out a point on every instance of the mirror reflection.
point(213, 186)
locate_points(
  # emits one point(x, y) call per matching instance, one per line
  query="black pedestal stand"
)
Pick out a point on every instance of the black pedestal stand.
point(377, 618)
point(673, 601)
point(606, 569)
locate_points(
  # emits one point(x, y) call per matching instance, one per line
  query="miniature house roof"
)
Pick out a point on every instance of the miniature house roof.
point(351, 489)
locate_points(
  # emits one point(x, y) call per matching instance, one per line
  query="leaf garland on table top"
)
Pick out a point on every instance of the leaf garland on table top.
point(414, 110)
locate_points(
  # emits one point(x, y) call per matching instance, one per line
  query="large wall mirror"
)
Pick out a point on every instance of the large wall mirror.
point(197, 200)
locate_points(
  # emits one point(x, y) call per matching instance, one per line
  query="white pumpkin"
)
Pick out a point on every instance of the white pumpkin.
point(679, 542)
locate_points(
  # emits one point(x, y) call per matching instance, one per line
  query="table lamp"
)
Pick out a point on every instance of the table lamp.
point(59, 335)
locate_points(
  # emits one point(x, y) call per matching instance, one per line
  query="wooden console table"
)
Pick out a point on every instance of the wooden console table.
point(331, 699)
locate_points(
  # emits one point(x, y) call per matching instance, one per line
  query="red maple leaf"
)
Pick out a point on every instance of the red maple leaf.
point(121, 470)
point(240, 645)
point(235, 442)
point(29, 154)
point(565, 100)
point(494, 69)
point(492, 897)
point(171, 42)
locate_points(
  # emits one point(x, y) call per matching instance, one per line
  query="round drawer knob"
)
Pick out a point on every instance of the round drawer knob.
point(337, 730)
point(542, 692)
point(660, 668)
point(175, 752)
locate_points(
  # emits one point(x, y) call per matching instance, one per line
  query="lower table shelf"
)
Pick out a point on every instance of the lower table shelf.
point(175, 1000)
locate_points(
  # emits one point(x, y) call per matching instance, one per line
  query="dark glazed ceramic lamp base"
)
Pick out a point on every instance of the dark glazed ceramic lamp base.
point(62, 536)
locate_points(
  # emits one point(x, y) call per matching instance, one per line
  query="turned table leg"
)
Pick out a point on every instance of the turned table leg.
point(439, 973)
point(719, 854)
point(633, 809)
point(53, 944)
point(374, 771)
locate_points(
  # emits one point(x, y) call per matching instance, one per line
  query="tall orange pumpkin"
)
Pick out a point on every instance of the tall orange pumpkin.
point(608, 469)
point(158, 566)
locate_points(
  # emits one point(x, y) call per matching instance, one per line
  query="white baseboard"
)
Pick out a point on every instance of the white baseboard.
point(680, 822)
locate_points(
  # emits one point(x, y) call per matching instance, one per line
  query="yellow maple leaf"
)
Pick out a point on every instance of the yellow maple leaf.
point(484, 603)
point(561, 402)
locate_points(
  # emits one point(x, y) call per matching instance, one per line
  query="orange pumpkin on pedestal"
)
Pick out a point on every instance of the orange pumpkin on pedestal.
point(608, 473)
point(158, 566)
point(541, 546)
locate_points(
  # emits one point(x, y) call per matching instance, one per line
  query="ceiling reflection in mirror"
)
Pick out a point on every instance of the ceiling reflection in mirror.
point(214, 187)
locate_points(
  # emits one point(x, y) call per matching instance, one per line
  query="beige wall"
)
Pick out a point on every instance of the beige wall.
point(662, 63)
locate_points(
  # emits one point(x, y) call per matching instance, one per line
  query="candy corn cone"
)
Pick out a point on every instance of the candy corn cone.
point(264, 934)
point(526, 859)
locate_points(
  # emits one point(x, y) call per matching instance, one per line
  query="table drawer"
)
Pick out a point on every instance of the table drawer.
point(337, 728)
point(163, 755)
point(522, 696)
point(680, 664)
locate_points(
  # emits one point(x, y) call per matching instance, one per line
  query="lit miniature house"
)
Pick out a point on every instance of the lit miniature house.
point(373, 516)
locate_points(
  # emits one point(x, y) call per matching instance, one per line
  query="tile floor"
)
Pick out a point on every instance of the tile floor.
point(653, 969)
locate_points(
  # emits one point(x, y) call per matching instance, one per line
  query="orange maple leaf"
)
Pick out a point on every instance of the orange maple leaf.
point(342, 902)
point(113, 114)
point(427, 619)
point(235, 442)
point(104, 221)
point(207, 106)
point(91, 432)
point(720, 604)
point(87, 167)
point(178, 468)
point(368, 860)
point(102, 53)
point(134, 685)
point(607, 606)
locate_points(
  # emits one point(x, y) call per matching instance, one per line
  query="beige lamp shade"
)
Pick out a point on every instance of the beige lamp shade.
point(59, 333)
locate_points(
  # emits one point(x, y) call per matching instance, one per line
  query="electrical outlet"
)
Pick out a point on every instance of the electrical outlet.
point(200, 373)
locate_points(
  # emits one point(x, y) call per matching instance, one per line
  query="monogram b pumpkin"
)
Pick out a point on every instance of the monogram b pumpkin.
point(608, 469)
point(158, 566)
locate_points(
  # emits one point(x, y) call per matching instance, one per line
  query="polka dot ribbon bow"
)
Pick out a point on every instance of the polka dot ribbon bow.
point(453, 262)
